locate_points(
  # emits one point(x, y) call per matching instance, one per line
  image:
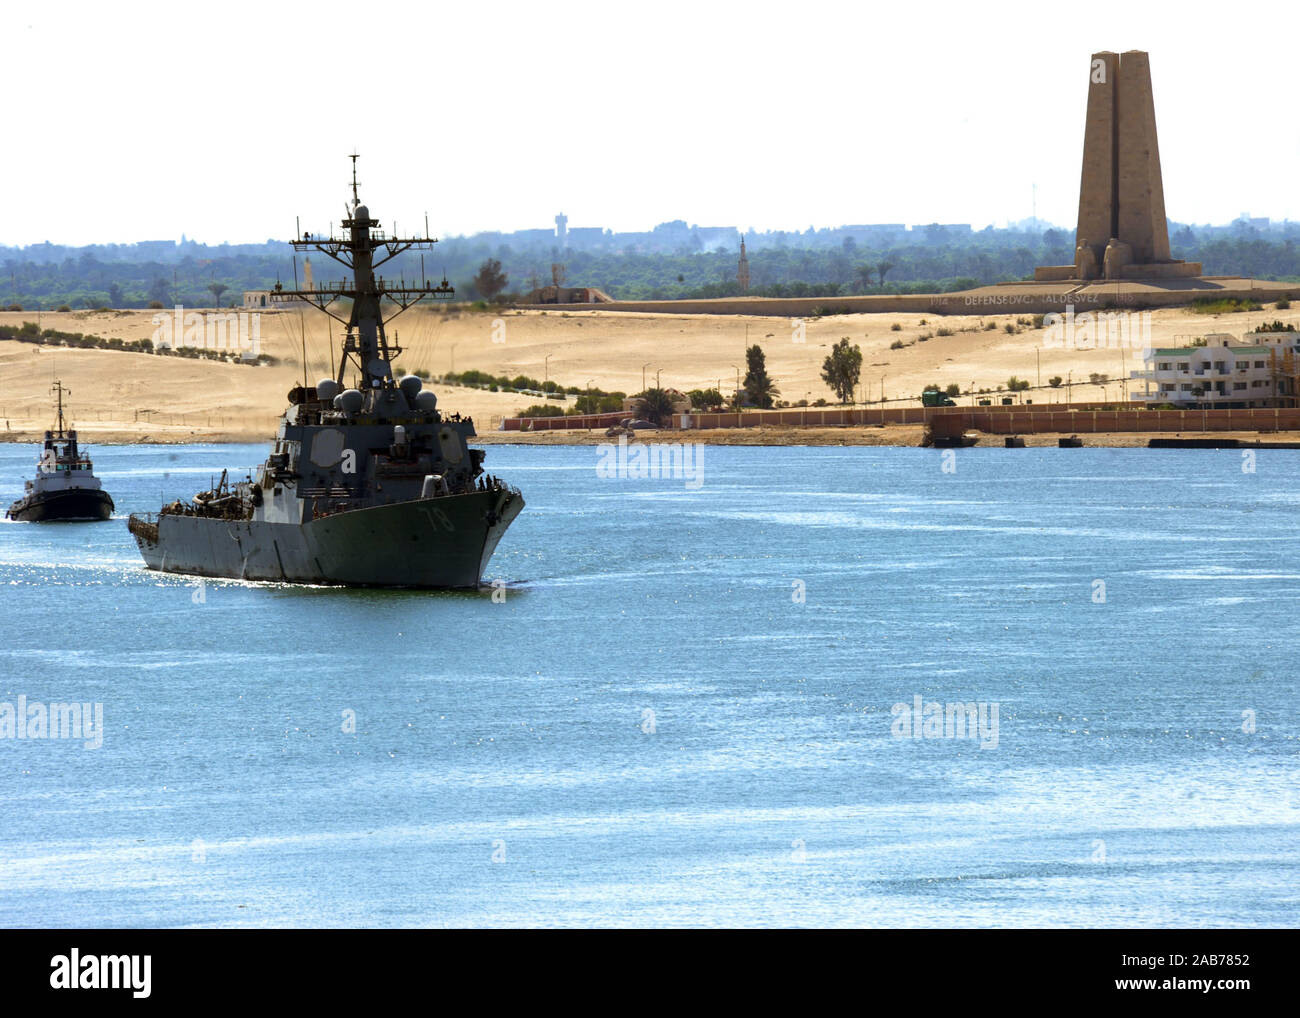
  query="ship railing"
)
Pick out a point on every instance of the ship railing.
point(321, 508)
point(144, 525)
point(499, 487)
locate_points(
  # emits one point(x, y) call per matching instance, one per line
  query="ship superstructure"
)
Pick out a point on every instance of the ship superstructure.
point(65, 487)
point(367, 482)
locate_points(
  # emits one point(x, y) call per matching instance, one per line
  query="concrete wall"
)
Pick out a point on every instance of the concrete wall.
point(1091, 421)
point(577, 423)
point(973, 302)
point(1000, 420)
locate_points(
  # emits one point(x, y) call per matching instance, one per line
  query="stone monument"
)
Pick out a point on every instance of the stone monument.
point(1122, 226)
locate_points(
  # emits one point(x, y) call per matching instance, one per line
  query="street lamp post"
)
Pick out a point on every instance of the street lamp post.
point(643, 367)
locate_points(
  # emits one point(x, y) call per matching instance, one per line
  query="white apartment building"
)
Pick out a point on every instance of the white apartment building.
point(1220, 371)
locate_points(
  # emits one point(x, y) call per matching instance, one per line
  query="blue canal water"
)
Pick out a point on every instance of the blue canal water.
point(679, 707)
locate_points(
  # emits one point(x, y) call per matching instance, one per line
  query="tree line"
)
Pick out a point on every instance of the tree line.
point(484, 269)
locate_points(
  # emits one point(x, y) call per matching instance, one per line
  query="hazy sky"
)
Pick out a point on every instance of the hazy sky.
point(139, 121)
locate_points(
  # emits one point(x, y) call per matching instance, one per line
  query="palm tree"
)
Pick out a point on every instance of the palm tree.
point(658, 405)
point(217, 290)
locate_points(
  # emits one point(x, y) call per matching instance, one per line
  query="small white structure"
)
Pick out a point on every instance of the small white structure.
point(1219, 371)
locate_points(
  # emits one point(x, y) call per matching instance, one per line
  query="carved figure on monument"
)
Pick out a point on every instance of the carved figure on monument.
point(1085, 261)
point(1118, 254)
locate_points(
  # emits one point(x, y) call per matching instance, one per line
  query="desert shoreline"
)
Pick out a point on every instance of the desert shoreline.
point(123, 398)
point(898, 436)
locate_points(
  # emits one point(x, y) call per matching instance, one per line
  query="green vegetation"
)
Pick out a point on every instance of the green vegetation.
point(30, 332)
point(586, 401)
point(705, 399)
point(842, 369)
point(808, 264)
point(658, 406)
point(1222, 306)
point(490, 280)
point(760, 389)
point(541, 410)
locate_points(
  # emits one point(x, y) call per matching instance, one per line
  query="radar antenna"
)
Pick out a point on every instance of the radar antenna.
point(362, 249)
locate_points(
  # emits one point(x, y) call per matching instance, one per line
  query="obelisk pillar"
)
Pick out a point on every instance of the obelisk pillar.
point(1097, 186)
point(1141, 193)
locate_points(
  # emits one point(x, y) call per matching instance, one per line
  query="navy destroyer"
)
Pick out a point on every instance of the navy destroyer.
point(65, 487)
point(368, 483)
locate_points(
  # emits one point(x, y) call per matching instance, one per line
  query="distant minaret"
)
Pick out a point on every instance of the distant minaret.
point(306, 274)
point(742, 270)
point(561, 229)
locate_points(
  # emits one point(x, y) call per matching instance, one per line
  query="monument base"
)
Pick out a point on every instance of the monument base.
point(1151, 270)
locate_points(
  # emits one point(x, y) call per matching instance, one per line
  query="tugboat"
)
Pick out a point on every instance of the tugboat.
point(368, 483)
point(65, 487)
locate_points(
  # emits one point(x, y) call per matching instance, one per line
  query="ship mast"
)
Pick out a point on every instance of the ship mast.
point(58, 390)
point(363, 249)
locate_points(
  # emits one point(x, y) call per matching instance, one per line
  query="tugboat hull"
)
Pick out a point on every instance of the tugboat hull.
point(438, 543)
point(68, 506)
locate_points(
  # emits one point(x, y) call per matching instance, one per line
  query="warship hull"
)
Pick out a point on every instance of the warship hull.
point(70, 505)
point(438, 543)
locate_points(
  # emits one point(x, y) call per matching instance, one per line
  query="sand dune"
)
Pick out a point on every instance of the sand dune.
point(127, 395)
